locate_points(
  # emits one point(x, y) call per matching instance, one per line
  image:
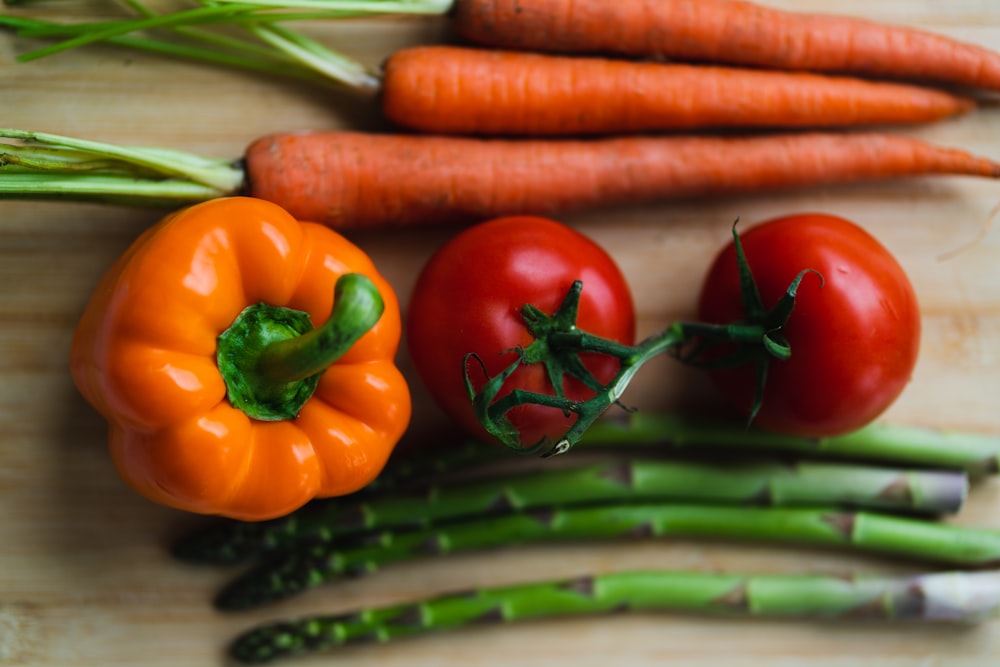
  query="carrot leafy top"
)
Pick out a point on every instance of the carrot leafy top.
point(38, 164)
point(267, 45)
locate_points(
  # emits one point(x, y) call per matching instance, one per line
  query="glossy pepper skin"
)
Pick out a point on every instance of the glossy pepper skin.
point(144, 355)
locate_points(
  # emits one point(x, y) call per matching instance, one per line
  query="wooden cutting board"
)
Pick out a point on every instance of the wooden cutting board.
point(84, 575)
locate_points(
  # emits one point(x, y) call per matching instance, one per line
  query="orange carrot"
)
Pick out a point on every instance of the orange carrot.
point(727, 31)
point(470, 91)
point(356, 180)
point(455, 90)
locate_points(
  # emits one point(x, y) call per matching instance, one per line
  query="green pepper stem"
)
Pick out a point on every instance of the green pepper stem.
point(271, 358)
point(357, 306)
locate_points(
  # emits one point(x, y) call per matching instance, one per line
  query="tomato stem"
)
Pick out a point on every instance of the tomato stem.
point(558, 344)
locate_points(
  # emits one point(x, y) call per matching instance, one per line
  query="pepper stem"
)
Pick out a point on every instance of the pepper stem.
point(357, 306)
point(271, 358)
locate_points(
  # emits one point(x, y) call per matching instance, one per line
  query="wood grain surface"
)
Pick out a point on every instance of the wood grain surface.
point(84, 575)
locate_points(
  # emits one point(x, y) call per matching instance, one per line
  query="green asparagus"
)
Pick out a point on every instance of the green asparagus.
point(917, 539)
point(976, 453)
point(957, 597)
point(756, 483)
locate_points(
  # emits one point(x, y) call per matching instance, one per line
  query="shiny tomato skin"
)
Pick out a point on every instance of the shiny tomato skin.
point(468, 298)
point(854, 335)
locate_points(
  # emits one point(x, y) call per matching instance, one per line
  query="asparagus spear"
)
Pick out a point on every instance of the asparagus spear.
point(949, 596)
point(226, 542)
point(429, 464)
point(976, 453)
point(757, 483)
point(300, 569)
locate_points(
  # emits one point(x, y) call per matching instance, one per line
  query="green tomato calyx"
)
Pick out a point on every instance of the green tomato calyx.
point(558, 343)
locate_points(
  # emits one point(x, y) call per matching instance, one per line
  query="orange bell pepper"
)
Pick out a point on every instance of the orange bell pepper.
point(221, 397)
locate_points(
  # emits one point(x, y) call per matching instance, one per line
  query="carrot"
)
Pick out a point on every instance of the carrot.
point(727, 31)
point(456, 90)
point(461, 90)
point(719, 31)
point(355, 180)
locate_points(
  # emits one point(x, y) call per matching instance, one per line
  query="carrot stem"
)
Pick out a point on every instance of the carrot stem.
point(106, 189)
point(209, 37)
point(314, 55)
point(233, 52)
point(428, 7)
point(281, 51)
point(96, 32)
point(56, 166)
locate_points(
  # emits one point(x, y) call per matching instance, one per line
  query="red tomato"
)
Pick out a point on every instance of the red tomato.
point(469, 296)
point(854, 335)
